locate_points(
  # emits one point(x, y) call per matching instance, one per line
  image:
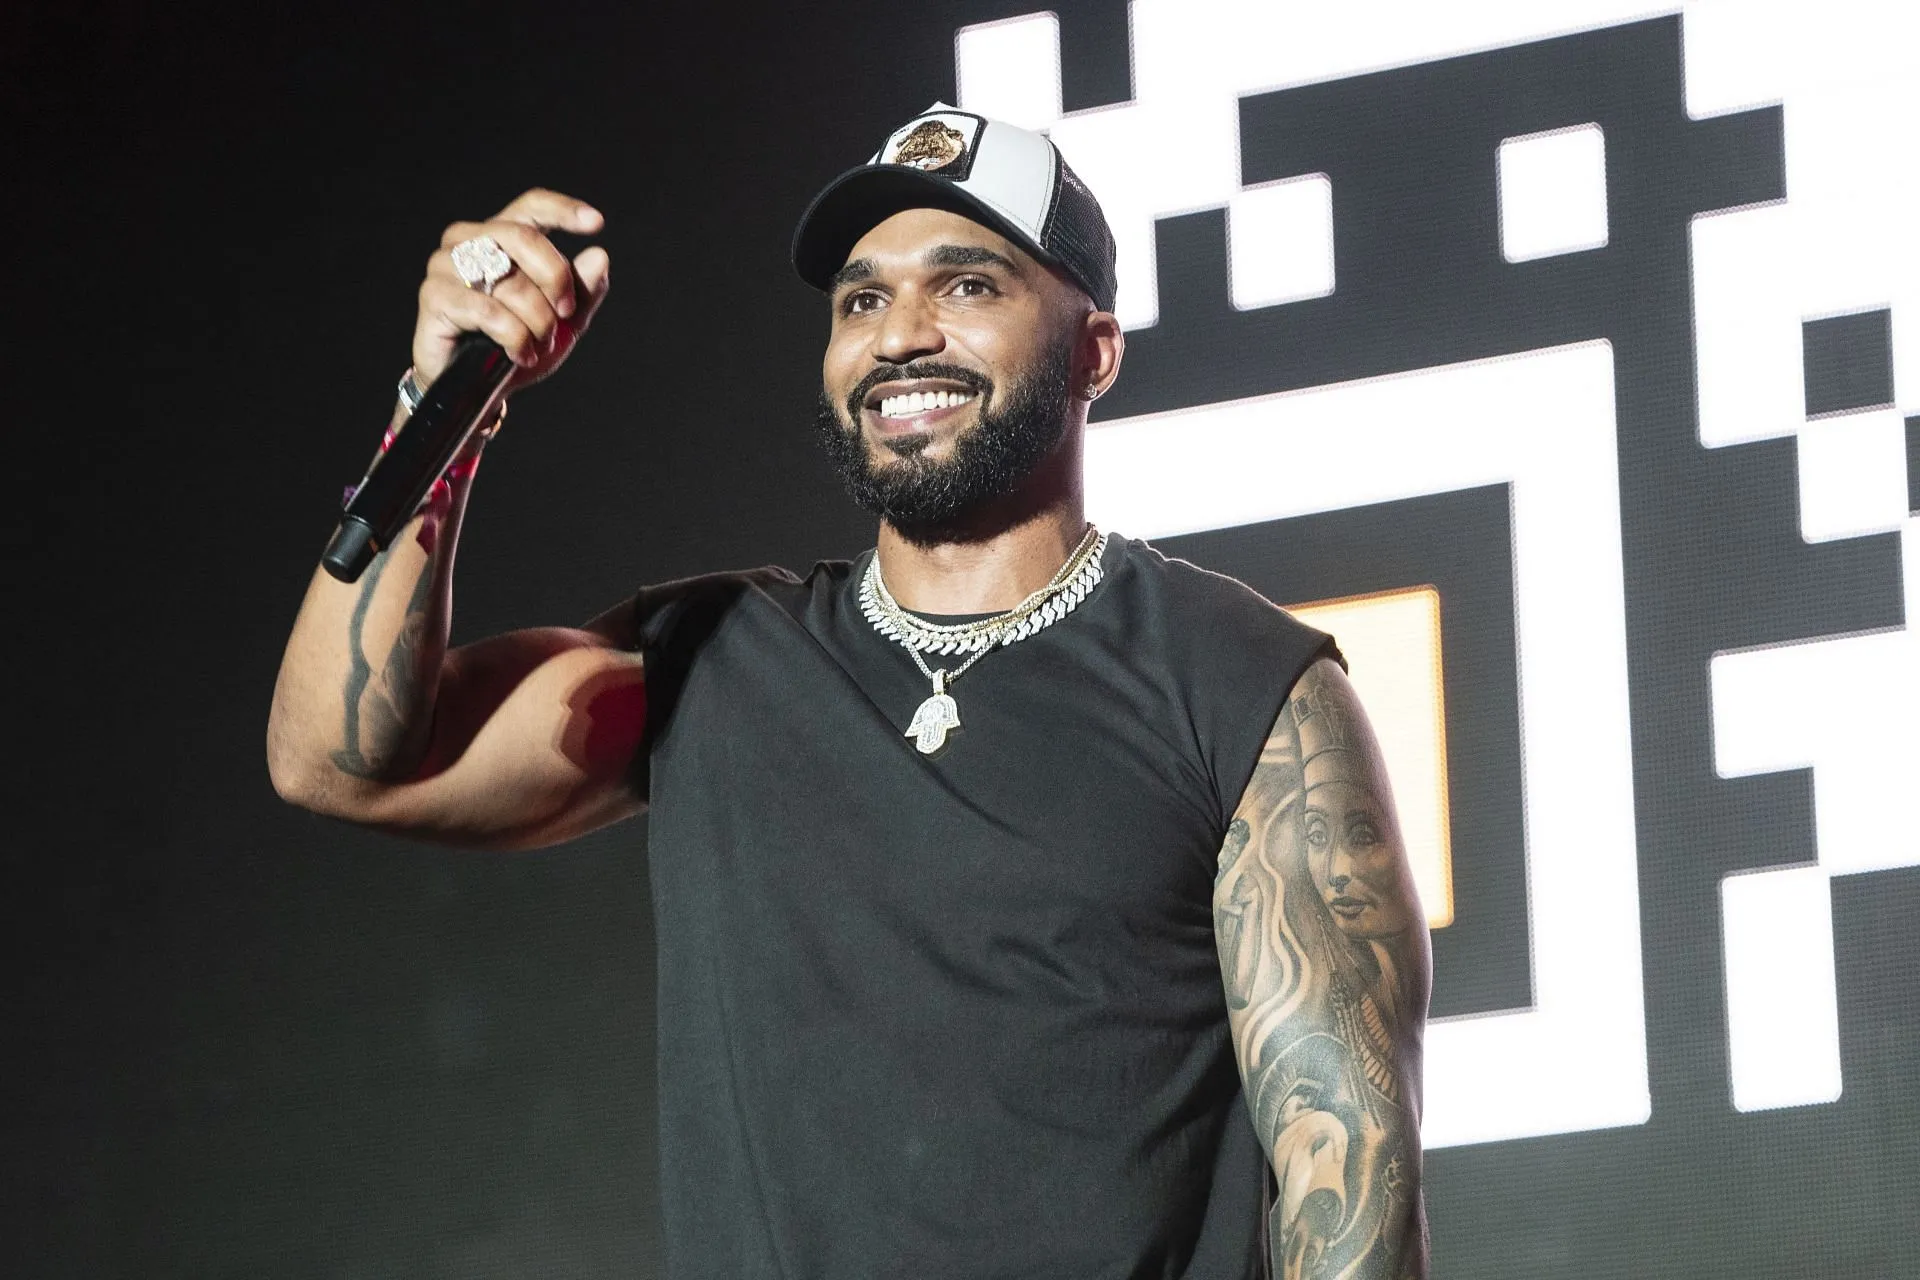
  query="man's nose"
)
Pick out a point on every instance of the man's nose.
point(909, 330)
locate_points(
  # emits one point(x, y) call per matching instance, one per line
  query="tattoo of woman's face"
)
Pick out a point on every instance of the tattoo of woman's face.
point(1353, 860)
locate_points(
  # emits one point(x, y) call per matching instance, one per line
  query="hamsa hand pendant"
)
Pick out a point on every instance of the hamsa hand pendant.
point(931, 723)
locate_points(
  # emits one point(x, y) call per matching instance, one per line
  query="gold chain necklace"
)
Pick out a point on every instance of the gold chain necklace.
point(939, 714)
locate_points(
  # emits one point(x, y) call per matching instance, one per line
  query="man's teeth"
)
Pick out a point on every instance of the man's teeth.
point(920, 402)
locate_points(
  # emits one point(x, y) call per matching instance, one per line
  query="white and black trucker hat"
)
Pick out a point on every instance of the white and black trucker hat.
point(1007, 178)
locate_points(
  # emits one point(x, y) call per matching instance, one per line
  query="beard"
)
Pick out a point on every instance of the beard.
point(928, 501)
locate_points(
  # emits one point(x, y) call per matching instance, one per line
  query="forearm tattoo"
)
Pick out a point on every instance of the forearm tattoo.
point(1324, 959)
point(378, 717)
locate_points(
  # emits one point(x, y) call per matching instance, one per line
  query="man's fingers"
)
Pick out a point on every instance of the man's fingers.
point(466, 310)
point(543, 208)
point(533, 256)
point(537, 309)
point(458, 231)
point(531, 305)
point(594, 271)
point(517, 292)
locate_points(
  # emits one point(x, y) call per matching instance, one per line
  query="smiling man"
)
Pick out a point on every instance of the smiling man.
point(1028, 903)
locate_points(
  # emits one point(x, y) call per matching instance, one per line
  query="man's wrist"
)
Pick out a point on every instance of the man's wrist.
point(463, 463)
point(411, 391)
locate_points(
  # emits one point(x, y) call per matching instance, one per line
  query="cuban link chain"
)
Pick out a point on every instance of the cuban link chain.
point(940, 714)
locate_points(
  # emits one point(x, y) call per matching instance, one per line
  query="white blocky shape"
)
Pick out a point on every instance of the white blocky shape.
point(1280, 242)
point(1746, 325)
point(1851, 698)
point(1837, 706)
point(1736, 55)
point(1853, 475)
point(1553, 193)
point(1118, 168)
point(1843, 73)
point(1853, 177)
point(1011, 70)
point(1783, 1022)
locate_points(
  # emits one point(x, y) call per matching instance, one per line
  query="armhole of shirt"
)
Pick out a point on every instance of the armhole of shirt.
point(1275, 702)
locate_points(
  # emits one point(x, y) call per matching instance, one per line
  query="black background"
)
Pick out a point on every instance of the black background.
point(249, 1042)
point(255, 1043)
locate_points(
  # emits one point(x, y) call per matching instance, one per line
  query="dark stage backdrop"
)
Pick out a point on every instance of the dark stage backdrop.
point(1551, 351)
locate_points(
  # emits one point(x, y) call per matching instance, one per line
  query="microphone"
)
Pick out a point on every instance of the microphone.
point(391, 494)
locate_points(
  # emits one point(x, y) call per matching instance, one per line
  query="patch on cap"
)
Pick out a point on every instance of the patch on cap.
point(942, 143)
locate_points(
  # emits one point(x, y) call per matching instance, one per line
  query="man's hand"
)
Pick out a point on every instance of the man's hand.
point(542, 307)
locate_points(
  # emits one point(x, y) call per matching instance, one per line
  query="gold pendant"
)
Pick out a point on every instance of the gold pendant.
point(935, 717)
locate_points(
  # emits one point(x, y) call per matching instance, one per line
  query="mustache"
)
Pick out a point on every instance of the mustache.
point(907, 373)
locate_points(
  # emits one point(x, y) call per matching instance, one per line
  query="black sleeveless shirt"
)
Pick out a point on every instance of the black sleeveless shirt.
point(960, 1015)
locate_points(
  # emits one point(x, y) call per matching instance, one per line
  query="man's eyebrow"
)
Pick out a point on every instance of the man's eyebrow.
point(969, 255)
point(858, 269)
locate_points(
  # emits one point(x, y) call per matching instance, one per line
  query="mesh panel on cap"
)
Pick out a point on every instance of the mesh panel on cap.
point(1076, 233)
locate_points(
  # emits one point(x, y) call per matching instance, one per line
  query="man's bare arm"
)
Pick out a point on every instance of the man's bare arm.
point(518, 740)
point(523, 739)
point(1325, 961)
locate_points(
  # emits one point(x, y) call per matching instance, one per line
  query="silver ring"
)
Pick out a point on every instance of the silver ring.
point(481, 263)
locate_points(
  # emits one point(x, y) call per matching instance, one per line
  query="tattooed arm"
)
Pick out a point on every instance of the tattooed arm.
point(1325, 961)
point(519, 740)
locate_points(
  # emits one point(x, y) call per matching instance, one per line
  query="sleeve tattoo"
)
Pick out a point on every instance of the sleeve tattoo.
point(1324, 962)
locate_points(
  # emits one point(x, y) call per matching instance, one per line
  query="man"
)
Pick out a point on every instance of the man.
point(987, 867)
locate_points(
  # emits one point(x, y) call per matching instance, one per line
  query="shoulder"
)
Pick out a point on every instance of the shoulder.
point(663, 608)
point(1189, 581)
point(1217, 611)
point(1231, 655)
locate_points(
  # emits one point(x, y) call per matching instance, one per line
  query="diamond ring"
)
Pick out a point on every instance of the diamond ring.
point(481, 263)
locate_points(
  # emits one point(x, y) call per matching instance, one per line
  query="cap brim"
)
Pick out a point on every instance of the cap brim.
point(861, 199)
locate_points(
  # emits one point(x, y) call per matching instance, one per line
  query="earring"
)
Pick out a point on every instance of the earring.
point(1092, 392)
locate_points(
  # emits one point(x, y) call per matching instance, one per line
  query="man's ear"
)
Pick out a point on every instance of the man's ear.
point(1101, 345)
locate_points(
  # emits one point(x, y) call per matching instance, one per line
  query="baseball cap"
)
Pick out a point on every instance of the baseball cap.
point(1008, 178)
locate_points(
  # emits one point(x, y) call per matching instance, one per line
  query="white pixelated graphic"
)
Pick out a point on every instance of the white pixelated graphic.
point(1552, 193)
point(1015, 65)
point(1844, 75)
point(1746, 339)
point(1842, 241)
point(1783, 1021)
point(1280, 242)
point(1852, 470)
point(1175, 147)
point(1851, 698)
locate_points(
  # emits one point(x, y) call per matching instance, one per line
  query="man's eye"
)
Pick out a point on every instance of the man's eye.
point(972, 287)
point(863, 301)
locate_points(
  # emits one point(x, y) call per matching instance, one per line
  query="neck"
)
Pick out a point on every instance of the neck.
point(999, 558)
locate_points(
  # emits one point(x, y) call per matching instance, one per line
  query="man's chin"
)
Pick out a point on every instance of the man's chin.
point(914, 445)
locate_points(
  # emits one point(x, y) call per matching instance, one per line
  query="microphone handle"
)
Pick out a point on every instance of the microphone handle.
point(387, 499)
